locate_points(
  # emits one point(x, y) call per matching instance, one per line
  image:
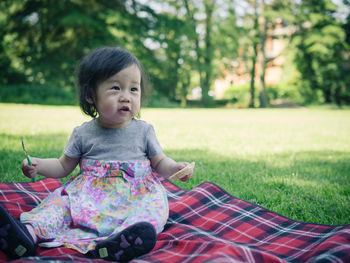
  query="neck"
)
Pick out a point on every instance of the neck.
point(112, 125)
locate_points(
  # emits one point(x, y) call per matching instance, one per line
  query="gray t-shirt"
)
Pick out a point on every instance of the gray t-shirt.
point(135, 142)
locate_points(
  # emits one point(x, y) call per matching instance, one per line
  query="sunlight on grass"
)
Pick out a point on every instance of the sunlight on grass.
point(36, 119)
point(292, 161)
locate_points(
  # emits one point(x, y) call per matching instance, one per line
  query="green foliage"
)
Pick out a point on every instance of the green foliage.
point(238, 94)
point(182, 44)
point(225, 37)
point(321, 58)
point(157, 100)
point(46, 39)
point(37, 94)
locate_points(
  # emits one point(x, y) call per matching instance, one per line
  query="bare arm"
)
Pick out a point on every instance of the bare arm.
point(166, 166)
point(51, 167)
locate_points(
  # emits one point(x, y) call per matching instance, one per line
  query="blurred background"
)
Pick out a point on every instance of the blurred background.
point(198, 53)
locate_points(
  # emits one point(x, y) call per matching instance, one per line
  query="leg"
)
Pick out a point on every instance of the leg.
point(132, 242)
point(15, 240)
point(49, 218)
point(152, 208)
point(32, 233)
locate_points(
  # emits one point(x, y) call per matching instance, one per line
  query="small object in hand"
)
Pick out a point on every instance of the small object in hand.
point(183, 172)
point(28, 158)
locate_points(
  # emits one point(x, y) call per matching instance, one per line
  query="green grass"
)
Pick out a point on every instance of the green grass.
point(292, 161)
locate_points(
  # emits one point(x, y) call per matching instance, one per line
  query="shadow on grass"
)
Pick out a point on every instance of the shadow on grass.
point(306, 186)
point(314, 166)
point(310, 187)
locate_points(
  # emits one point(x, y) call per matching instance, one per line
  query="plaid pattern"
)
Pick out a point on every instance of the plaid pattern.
point(207, 224)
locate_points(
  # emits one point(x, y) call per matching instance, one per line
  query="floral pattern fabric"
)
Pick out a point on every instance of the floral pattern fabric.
point(103, 199)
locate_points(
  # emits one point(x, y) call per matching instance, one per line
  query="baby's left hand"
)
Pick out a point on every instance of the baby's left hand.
point(186, 174)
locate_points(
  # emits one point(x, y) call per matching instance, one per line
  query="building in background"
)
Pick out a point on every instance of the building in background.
point(240, 73)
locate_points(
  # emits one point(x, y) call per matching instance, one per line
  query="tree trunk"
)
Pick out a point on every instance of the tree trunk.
point(185, 84)
point(206, 99)
point(263, 34)
point(204, 58)
point(252, 78)
point(254, 57)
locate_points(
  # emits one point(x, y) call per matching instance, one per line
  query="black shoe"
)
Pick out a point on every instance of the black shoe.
point(132, 242)
point(15, 240)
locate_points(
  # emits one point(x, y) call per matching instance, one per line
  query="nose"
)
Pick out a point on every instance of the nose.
point(124, 97)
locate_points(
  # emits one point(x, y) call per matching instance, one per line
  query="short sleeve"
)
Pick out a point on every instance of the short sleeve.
point(73, 148)
point(152, 145)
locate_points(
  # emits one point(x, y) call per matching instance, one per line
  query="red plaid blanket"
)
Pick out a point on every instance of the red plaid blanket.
point(207, 224)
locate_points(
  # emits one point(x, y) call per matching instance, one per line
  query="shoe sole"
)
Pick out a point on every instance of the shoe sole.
point(132, 242)
point(15, 240)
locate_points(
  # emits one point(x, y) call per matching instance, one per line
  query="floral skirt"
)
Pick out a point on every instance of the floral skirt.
point(103, 199)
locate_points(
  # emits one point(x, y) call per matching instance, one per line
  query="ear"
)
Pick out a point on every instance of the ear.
point(88, 96)
point(89, 100)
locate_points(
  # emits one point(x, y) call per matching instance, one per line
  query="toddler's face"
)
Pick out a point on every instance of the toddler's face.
point(119, 98)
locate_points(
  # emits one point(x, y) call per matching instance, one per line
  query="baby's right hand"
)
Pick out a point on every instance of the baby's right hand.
point(29, 170)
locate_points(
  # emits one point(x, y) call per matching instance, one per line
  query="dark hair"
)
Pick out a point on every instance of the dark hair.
point(98, 66)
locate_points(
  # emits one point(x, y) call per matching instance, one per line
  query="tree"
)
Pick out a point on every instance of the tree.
point(263, 36)
point(167, 36)
point(170, 33)
point(227, 35)
point(255, 24)
point(48, 37)
point(45, 39)
point(320, 42)
point(254, 46)
point(9, 74)
point(346, 64)
point(261, 18)
point(187, 37)
point(203, 44)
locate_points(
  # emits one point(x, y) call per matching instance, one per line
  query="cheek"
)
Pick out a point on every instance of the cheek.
point(107, 107)
point(137, 104)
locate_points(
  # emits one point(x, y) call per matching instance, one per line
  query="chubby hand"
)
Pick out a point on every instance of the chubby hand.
point(184, 171)
point(30, 170)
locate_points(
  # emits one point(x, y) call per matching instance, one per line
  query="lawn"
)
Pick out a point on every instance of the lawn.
point(293, 161)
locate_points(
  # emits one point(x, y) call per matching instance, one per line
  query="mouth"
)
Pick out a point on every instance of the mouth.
point(124, 109)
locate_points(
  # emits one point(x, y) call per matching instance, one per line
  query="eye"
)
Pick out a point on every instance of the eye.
point(135, 89)
point(115, 88)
